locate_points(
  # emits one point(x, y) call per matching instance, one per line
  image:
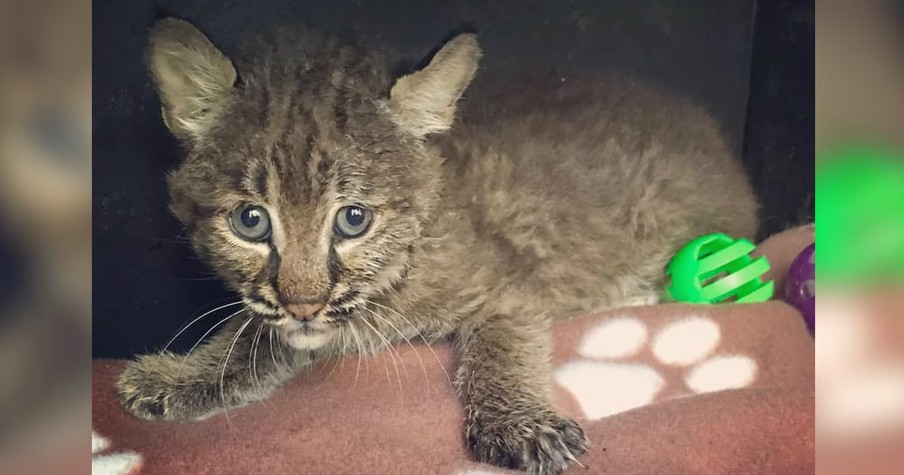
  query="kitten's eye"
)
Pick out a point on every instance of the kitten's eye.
point(352, 221)
point(251, 223)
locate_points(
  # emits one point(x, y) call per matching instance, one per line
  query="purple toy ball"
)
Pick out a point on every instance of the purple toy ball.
point(800, 286)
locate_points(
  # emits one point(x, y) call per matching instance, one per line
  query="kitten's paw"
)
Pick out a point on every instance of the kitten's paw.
point(149, 389)
point(542, 443)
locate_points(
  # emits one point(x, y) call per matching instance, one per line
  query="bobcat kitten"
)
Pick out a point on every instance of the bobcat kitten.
point(349, 208)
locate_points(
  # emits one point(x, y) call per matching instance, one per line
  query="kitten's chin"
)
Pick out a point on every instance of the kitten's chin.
point(307, 340)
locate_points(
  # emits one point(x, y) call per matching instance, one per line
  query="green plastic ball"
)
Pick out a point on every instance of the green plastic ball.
point(718, 269)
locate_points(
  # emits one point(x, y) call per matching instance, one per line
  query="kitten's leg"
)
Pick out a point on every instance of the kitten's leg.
point(215, 376)
point(504, 379)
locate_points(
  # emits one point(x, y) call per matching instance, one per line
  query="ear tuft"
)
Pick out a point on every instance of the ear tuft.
point(424, 102)
point(192, 76)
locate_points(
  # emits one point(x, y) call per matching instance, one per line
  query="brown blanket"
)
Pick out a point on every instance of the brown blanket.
point(665, 389)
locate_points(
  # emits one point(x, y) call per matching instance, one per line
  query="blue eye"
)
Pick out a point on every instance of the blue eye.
point(352, 221)
point(251, 223)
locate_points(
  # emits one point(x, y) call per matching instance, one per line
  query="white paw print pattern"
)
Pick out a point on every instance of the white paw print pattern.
point(120, 463)
point(613, 376)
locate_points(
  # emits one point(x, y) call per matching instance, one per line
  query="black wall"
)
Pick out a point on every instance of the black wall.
point(779, 146)
point(147, 283)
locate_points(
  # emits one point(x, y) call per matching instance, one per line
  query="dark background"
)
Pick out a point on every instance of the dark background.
point(749, 63)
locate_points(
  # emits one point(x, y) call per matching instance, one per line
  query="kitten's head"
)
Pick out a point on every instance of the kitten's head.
point(308, 181)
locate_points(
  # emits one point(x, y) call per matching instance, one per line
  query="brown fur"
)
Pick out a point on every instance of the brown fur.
point(525, 205)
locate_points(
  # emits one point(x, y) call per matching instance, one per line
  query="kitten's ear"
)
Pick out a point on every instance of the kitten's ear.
point(424, 102)
point(192, 76)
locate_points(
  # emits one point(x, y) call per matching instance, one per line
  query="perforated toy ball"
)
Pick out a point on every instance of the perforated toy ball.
point(718, 269)
point(800, 288)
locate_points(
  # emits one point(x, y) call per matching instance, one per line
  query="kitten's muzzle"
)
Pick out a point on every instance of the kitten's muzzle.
point(304, 312)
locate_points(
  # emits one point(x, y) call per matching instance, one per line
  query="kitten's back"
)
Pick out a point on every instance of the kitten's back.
point(597, 175)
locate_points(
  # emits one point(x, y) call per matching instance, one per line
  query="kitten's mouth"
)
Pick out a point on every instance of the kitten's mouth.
point(304, 328)
point(305, 335)
point(308, 326)
point(334, 312)
point(315, 332)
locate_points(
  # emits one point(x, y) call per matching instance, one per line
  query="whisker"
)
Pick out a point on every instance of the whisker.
point(407, 340)
point(388, 345)
point(190, 350)
point(372, 350)
point(252, 357)
point(235, 339)
point(354, 333)
point(185, 358)
point(424, 339)
point(287, 357)
point(324, 364)
point(170, 342)
point(255, 375)
point(340, 363)
point(273, 352)
point(336, 365)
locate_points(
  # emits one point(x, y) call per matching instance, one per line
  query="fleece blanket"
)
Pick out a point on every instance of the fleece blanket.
point(662, 389)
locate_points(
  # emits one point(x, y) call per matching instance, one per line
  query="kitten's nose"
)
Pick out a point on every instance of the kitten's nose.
point(304, 311)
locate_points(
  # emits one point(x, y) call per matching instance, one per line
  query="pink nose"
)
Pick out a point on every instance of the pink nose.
point(304, 311)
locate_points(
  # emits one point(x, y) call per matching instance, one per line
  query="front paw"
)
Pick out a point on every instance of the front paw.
point(539, 441)
point(152, 388)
